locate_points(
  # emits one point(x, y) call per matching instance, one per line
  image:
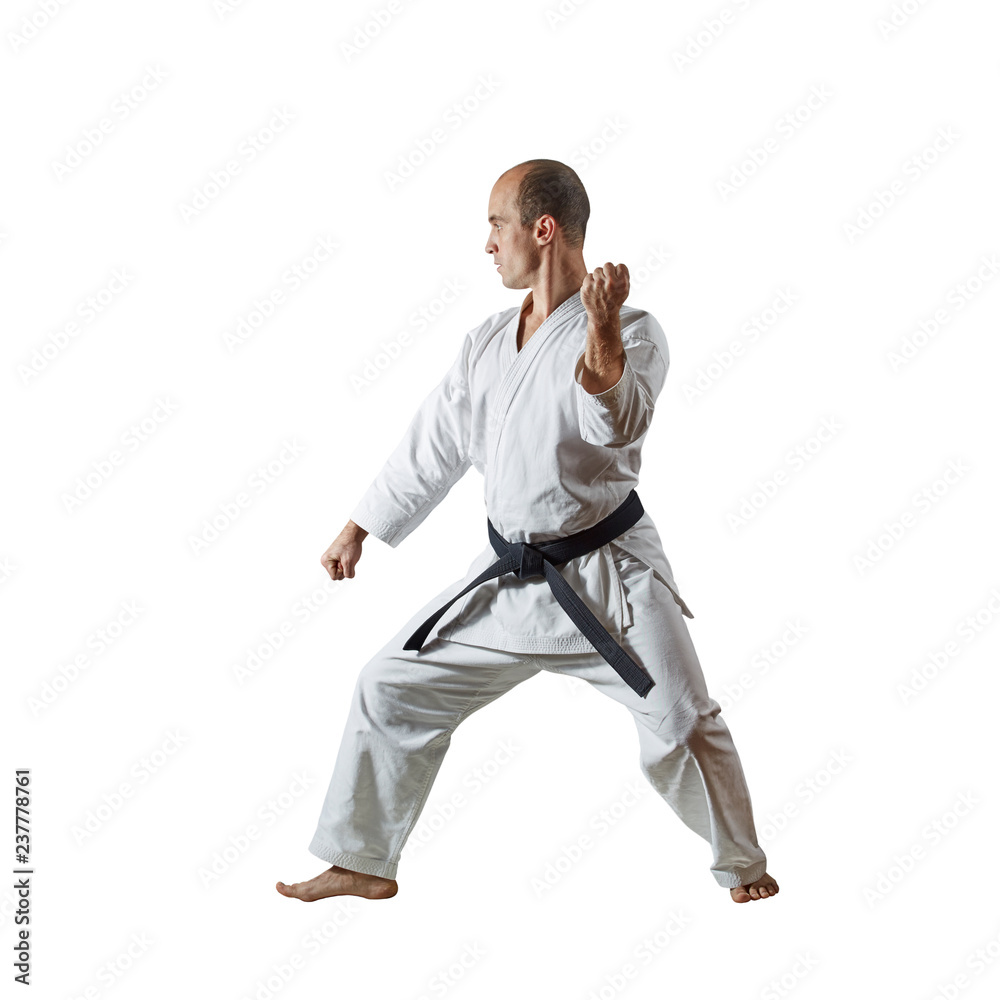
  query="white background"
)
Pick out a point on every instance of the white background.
point(861, 790)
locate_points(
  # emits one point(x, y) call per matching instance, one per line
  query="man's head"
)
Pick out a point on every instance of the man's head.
point(538, 214)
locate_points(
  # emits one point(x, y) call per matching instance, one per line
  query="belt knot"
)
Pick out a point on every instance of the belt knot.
point(528, 560)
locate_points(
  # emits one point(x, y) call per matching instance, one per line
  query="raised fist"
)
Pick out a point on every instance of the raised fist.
point(603, 291)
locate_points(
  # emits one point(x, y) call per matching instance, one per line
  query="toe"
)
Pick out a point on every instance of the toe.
point(740, 895)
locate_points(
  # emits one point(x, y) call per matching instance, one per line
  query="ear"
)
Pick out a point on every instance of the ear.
point(545, 229)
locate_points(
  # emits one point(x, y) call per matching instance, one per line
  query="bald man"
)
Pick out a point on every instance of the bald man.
point(551, 403)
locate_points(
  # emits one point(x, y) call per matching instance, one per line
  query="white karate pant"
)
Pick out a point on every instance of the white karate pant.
point(407, 704)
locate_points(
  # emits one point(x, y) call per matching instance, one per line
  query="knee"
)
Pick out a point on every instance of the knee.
point(387, 699)
point(374, 702)
point(691, 727)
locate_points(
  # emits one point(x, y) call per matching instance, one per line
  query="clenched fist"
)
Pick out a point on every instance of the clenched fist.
point(344, 552)
point(603, 291)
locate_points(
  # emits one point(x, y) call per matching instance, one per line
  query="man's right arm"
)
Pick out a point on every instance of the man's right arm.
point(431, 457)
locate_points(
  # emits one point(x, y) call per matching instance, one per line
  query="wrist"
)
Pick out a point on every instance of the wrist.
point(604, 327)
point(355, 531)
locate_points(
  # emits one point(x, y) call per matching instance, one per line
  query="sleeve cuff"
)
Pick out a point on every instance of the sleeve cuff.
point(364, 517)
point(609, 397)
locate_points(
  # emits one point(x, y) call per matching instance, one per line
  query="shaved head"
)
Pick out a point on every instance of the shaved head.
point(549, 187)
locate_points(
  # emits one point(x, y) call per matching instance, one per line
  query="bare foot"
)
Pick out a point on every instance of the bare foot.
point(337, 881)
point(764, 886)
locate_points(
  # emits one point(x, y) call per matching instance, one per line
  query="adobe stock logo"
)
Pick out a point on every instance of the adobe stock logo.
point(252, 145)
point(454, 117)
point(89, 309)
point(125, 103)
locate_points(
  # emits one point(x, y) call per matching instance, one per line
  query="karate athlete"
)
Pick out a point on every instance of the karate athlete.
point(550, 402)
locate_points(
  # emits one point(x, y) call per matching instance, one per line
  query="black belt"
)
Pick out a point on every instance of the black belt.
point(540, 560)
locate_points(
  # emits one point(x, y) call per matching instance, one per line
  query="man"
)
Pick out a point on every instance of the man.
point(551, 403)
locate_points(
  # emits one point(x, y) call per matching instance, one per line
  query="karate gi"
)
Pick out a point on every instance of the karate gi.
point(555, 459)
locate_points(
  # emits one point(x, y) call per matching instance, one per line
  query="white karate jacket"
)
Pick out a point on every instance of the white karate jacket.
point(555, 459)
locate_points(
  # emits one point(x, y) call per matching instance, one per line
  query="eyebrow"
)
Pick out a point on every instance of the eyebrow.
point(496, 218)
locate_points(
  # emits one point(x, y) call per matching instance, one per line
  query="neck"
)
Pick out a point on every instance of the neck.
point(554, 284)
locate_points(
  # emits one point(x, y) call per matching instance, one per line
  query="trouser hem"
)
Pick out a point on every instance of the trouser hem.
point(355, 862)
point(742, 876)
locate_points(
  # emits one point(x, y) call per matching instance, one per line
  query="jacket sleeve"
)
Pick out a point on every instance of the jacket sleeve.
point(621, 415)
point(431, 457)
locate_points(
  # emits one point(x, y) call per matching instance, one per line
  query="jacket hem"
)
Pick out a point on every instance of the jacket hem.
point(472, 636)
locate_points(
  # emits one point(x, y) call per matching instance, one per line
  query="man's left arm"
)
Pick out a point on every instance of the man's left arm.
point(621, 372)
